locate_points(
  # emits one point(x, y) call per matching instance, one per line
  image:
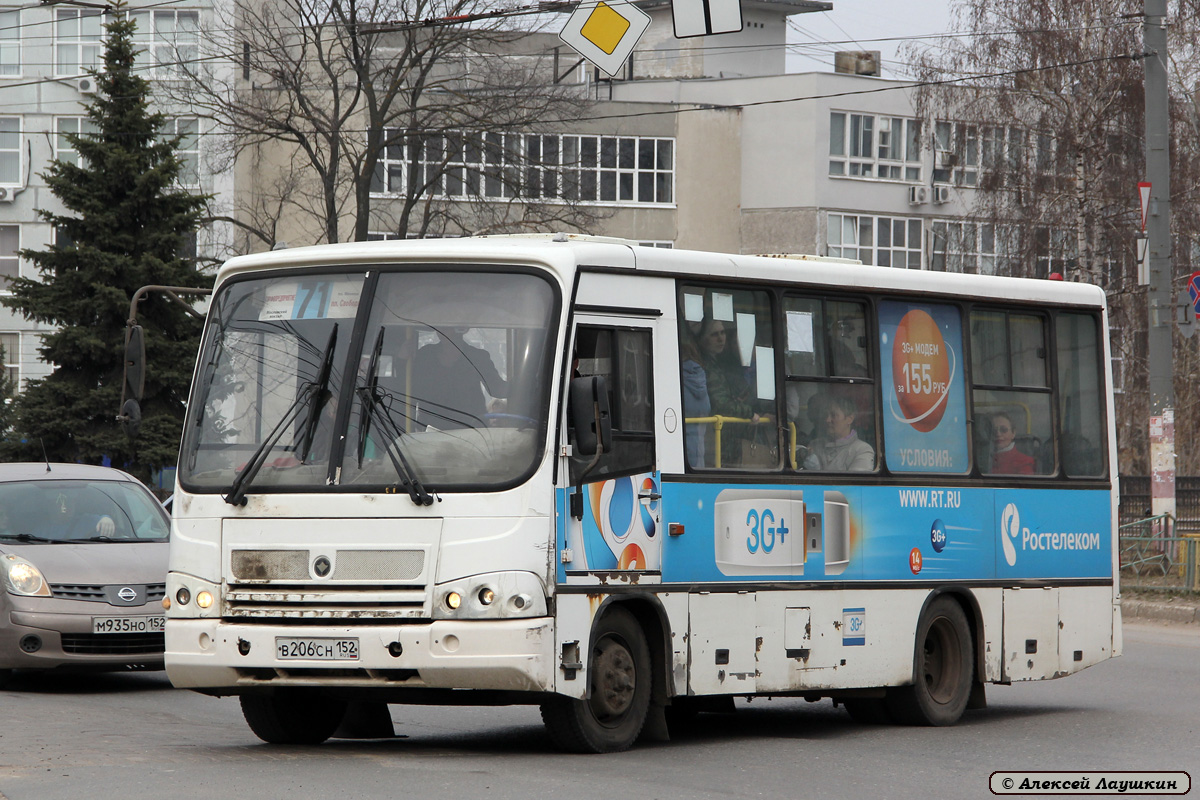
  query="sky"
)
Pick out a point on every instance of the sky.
point(853, 24)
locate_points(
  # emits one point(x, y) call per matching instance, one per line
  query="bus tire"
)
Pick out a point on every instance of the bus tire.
point(611, 717)
point(293, 716)
point(943, 668)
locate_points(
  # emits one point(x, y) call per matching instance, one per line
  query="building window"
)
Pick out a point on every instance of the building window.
point(882, 241)
point(77, 38)
point(11, 342)
point(609, 169)
point(169, 37)
point(867, 146)
point(657, 243)
point(975, 248)
point(10, 151)
point(10, 43)
point(956, 153)
point(63, 149)
point(10, 258)
point(188, 131)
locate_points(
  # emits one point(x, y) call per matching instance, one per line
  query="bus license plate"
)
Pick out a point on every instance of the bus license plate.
point(128, 624)
point(287, 648)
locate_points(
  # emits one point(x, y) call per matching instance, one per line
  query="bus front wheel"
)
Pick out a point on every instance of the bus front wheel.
point(293, 716)
point(612, 716)
point(943, 668)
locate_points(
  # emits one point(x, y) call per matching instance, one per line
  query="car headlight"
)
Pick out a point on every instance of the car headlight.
point(493, 595)
point(22, 577)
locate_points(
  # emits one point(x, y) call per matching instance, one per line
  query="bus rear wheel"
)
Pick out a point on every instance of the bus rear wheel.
point(611, 717)
point(293, 716)
point(943, 669)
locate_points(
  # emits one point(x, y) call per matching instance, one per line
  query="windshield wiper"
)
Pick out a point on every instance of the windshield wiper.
point(237, 491)
point(29, 537)
point(372, 402)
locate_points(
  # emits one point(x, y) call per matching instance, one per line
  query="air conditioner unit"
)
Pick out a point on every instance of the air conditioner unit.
point(86, 85)
point(944, 159)
point(941, 194)
point(7, 194)
point(917, 195)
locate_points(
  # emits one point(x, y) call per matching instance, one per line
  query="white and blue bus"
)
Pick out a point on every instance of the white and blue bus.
point(628, 484)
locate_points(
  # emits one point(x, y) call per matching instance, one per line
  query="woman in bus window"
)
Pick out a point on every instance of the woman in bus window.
point(1006, 458)
point(840, 449)
point(728, 389)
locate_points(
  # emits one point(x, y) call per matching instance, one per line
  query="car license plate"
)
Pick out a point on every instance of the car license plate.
point(287, 648)
point(128, 624)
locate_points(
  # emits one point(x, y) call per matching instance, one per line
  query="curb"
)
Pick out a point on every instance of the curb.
point(1167, 612)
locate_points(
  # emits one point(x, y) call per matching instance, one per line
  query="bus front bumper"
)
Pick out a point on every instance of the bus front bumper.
point(222, 657)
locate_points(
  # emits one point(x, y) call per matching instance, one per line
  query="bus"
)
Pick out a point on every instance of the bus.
point(631, 484)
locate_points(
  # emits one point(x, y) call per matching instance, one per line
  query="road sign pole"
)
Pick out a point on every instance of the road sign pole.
point(1161, 298)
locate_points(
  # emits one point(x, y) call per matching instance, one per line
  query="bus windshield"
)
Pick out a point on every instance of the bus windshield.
point(422, 379)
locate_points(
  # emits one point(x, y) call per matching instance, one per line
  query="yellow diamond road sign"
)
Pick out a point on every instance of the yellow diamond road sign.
point(605, 32)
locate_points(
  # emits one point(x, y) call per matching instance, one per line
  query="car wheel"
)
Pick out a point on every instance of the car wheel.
point(612, 716)
point(943, 668)
point(293, 716)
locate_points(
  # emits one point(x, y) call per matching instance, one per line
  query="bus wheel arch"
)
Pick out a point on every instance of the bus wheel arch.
point(944, 660)
point(620, 685)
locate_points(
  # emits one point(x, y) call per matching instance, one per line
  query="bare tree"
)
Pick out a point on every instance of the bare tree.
point(1046, 116)
point(410, 116)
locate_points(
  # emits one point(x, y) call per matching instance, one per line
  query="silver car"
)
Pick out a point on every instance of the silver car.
point(83, 559)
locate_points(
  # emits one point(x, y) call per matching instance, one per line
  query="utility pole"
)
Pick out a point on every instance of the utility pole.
point(1158, 231)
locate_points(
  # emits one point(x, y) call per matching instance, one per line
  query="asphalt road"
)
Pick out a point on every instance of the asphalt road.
point(133, 736)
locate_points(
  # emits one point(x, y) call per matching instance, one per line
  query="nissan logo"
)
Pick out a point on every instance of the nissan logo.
point(321, 566)
point(127, 593)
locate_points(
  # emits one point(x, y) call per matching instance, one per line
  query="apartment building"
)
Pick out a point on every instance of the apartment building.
point(45, 52)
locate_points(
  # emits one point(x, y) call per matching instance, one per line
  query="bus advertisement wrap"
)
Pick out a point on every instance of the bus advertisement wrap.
point(924, 401)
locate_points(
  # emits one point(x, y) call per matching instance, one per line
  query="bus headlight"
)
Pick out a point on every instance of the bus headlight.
point(494, 595)
point(22, 577)
point(193, 597)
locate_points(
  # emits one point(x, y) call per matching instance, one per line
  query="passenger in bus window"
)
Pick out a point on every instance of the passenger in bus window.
point(840, 449)
point(1006, 458)
point(729, 391)
point(728, 388)
point(696, 402)
point(449, 377)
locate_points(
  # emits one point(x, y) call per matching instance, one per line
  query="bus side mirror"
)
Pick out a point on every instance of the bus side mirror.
point(135, 363)
point(134, 384)
point(590, 415)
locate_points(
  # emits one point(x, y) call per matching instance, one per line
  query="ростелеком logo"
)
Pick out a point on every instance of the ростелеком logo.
point(1010, 529)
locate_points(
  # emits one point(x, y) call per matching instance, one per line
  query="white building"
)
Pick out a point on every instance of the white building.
point(44, 52)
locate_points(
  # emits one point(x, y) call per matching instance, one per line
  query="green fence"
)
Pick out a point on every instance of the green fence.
point(1155, 556)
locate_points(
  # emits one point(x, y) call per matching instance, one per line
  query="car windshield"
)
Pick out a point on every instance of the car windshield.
point(77, 510)
point(418, 379)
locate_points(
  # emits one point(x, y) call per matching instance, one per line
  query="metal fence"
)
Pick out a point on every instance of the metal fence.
point(1135, 501)
point(1156, 557)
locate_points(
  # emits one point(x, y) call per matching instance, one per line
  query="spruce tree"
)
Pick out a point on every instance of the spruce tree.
point(126, 224)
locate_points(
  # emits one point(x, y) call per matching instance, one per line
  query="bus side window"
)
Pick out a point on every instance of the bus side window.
point(623, 356)
point(727, 372)
point(1012, 400)
point(830, 393)
point(1080, 398)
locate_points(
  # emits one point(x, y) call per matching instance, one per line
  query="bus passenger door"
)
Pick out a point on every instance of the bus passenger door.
point(620, 528)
